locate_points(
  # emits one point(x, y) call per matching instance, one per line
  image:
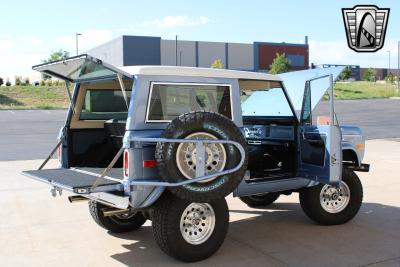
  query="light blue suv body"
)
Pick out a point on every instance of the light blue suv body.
point(287, 151)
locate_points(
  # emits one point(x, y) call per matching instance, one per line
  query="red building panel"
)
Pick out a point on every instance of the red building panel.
point(267, 52)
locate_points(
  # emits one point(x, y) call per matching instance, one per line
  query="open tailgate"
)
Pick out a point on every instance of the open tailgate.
point(79, 180)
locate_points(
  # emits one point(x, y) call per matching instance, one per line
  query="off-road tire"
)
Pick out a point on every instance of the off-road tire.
point(113, 223)
point(167, 214)
point(310, 201)
point(262, 200)
point(219, 126)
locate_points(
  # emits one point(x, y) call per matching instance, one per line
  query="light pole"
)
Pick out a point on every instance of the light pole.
point(76, 39)
point(176, 50)
point(389, 62)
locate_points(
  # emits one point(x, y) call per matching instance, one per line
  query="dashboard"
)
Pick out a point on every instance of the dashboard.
point(260, 133)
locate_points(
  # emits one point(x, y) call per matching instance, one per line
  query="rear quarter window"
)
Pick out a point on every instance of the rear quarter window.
point(168, 101)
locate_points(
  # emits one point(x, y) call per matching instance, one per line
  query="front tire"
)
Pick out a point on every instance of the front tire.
point(327, 205)
point(261, 200)
point(190, 231)
point(118, 223)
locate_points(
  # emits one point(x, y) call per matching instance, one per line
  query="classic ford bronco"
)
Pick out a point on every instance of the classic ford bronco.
point(167, 144)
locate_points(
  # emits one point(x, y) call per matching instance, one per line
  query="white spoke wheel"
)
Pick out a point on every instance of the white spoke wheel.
point(186, 156)
point(197, 223)
point(330, 205)
point(189, 231)
point(334, 199)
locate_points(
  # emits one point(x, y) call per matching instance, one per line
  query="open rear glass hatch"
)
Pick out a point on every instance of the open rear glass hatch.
point(82, 180)
point(81, 68)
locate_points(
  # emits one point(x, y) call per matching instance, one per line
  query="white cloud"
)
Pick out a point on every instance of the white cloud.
point(88, 40)
point(18, 55)
point(176, 21)
point(337, 52)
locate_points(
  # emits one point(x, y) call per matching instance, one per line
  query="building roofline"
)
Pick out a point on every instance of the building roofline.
point(282, 43)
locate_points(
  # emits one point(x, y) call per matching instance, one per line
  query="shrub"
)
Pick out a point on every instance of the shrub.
point(27, 81)
point(390, 78)
point(8, 83)
point(42, 82)
point(56, 82)
point(1, 81)
point(17, 80)
point(49, 82)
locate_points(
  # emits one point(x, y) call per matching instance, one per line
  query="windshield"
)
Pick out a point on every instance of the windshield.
point(264, 98)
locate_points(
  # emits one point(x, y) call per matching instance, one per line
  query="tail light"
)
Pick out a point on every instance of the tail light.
point(126, 163)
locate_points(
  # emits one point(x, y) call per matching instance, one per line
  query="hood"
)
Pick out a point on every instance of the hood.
point(295, 83)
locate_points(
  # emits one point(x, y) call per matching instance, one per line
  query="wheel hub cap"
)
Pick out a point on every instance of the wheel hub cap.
point(334, 200)
point(197, 223)
point(186, 156)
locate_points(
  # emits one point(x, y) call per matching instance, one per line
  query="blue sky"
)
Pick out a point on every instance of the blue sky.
point(30, 30)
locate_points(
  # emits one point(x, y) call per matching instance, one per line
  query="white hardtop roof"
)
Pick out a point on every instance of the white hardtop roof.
point(197, 72)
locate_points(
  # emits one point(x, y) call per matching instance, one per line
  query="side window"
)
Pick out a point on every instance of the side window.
point(104, 104)
point(168, 101)
point(306, 118)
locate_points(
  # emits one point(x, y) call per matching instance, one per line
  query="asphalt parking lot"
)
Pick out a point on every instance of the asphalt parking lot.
point(38, 230)
point(31, 134)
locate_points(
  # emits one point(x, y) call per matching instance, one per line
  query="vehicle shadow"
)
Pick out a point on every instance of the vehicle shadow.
point(282, 235)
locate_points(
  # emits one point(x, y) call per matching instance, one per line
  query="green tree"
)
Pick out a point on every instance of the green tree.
point(217, 64)
point(345, 74)
point(8, 83)
point(280, 64)
point(369, 75)
point(1, 81)
point(54, 56)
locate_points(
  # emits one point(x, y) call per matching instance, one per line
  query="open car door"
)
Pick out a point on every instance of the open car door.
point(320, 145)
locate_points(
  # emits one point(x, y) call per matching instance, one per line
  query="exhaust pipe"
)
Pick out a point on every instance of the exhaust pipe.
point(78, 198)
point(113, 211)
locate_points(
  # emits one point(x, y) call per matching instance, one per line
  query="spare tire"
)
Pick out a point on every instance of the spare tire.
point(177, 161)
